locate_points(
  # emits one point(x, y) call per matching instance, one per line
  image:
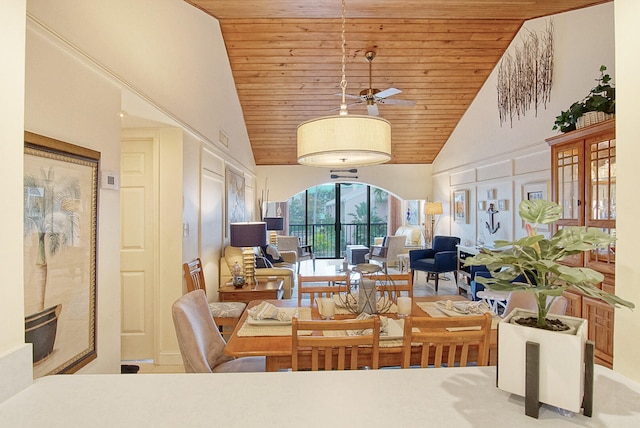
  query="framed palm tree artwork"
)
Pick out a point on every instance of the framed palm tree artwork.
point(60, 227)
point(234, 198)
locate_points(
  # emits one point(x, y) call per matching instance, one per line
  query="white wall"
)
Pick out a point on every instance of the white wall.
point(479, 143)
point(482, 155)
point(68, 101)
point(160, 48)
point(404, 181)
point(15, 356)
point(97, 59)
point(626, 346)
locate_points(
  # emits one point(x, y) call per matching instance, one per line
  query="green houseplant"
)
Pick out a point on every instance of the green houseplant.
point(537, 259)
point(601, 98)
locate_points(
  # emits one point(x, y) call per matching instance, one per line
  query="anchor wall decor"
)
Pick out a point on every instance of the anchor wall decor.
point(492, 226)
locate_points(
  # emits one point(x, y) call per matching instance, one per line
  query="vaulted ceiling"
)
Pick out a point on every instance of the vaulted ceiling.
point(286, 56)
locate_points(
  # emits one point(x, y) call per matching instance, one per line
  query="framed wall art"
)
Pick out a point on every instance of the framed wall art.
point(60, 228)
point(235, 198)
point(461, 206)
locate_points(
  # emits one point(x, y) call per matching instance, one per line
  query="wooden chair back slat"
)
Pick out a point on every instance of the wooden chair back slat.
point(316, 291)
point(451, 338)
point(335, 349)
point(194, 275)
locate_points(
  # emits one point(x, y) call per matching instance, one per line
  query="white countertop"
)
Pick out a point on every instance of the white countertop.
point(459, 397)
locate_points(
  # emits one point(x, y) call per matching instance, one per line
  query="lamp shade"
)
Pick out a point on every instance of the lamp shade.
point(433, 208)
point(344, 140)
point(248, 234)
point(274, 223)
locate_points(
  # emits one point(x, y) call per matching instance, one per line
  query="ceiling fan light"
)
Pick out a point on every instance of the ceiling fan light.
point(347, 140)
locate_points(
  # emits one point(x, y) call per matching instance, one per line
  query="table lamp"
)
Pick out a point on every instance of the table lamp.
point(247, 235)
point(432, 209)
point(273, 225)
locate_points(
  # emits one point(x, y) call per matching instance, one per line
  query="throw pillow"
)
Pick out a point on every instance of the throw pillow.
point(272, 254)
point(262, 263)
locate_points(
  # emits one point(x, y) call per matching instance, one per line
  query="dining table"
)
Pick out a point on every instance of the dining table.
point(249, 340)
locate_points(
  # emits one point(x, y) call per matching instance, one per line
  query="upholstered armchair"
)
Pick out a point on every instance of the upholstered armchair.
point(200, 342)
point(292, 243)
point(285, 269)
point(442, 257)
point(387, 253)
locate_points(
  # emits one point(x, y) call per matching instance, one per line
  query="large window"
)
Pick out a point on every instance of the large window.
point(361, 215)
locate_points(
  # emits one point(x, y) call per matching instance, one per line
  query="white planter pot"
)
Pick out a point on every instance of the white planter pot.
point(561, 360)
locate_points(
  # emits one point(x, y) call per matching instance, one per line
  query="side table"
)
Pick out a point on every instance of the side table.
point(356, 253)
point(265, 289)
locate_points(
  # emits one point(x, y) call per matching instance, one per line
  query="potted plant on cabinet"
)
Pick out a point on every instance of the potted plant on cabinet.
point(537, 259)
point(599, 102)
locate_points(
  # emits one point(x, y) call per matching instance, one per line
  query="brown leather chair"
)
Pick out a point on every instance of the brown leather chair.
point(201, 344)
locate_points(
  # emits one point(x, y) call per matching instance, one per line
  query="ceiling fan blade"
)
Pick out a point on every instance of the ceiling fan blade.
point(387, 93)
point(372, 109)
point(398, 102)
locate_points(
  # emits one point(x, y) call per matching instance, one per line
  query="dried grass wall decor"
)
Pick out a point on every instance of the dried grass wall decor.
point(524, 78)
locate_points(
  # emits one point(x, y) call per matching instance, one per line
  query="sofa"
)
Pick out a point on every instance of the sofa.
point(285, 269)
point(414, 239)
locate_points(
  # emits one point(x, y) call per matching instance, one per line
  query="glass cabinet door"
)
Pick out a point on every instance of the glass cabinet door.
point(602, 177)
point(568, 189)
point(601, 186)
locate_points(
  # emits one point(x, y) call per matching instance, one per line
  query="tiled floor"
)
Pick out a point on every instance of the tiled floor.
point(421, 288)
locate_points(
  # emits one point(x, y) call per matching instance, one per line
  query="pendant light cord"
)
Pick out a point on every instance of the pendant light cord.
point(343, 82)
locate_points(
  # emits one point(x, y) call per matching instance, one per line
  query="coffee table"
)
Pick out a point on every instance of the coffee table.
point(270, 289)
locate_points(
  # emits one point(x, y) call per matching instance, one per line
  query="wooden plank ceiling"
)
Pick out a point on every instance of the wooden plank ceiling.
point(286, 56)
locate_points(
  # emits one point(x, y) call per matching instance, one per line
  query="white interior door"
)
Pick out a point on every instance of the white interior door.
point(137, 254)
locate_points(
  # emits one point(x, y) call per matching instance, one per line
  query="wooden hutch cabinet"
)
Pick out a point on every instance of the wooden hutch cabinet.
point(583, 181)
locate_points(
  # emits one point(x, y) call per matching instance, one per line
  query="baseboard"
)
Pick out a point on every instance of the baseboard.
point(169, 359)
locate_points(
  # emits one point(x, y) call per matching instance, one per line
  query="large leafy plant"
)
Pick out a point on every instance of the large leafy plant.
point(601, 98)
point(537, 259)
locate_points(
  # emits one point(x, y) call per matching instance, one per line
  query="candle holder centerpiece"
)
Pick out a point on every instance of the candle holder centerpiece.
point(368, 289)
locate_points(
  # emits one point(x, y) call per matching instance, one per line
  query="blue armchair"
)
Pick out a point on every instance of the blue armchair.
point(475, 286)
point(482, 271)
point(442, 257)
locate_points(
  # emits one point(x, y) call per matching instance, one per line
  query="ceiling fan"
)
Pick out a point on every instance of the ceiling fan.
point(372, 97)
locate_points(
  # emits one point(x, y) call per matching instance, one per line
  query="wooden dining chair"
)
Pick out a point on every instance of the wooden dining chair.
point(525, 299)
point(450, 338)
point(315, 291)
point(225, 314)
point(333, 349)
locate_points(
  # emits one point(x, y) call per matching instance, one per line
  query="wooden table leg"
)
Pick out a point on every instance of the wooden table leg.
point(272, 364)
